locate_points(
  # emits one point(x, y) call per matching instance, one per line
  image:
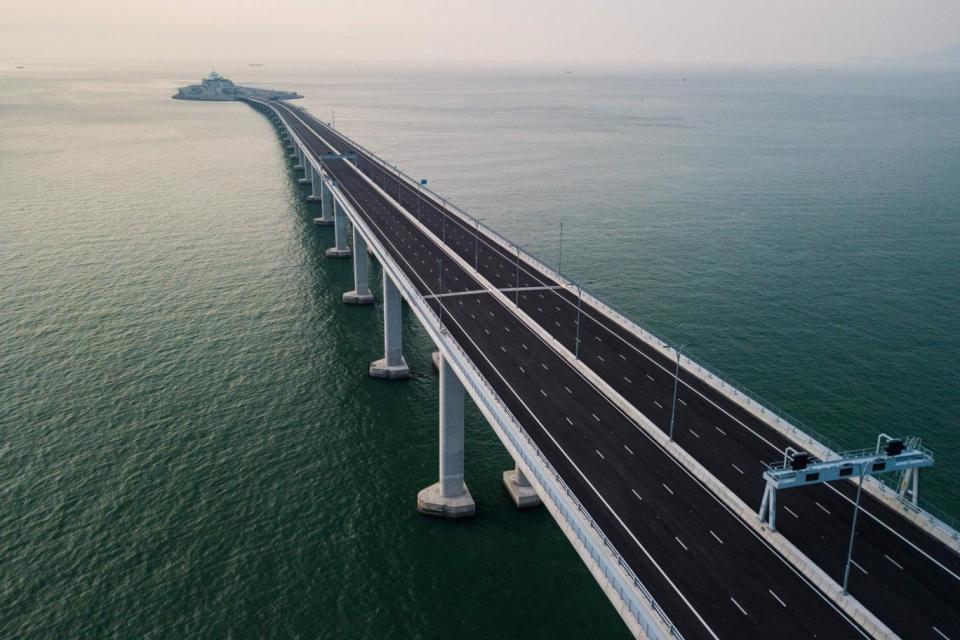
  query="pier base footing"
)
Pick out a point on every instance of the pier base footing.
point(352, 297)
point(305, 181)
point(431, 503)
point(313, 198)
point(298, 167)
point(333, 252)
point(323, 222)
point(523, 496)
point(380, 369)
point(435, 356)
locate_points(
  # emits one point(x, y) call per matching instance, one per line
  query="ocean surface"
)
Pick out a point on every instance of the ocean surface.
point(189, 443)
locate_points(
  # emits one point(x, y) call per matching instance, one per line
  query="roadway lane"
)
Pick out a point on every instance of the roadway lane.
point(906, 577)
point(712, 574)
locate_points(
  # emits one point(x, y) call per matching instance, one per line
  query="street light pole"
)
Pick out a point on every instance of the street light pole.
point(560, 260)
point(440, 290)
point(576, 342)
point(853, 531)
point(517, 290)
point(676, 381)
point(476, 247)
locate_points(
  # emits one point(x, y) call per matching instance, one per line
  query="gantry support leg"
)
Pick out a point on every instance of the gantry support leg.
point(449, 497)
point(393, 364)
point(340, 248)
point(361, 273)
point(517, 485)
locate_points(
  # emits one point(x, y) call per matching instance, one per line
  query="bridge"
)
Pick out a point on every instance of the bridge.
point(652, 465)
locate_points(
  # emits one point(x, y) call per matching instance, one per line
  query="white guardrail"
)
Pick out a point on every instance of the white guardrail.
point(636, 605)
point(940, 525)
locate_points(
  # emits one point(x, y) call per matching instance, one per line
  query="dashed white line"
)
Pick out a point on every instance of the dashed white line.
point(737, 468)
point(667, 488)
point(854, 563)
point(737, 604)
point(720, 430)
point(636, 494)
point(681, 402)
point(651, 378)
point(543, 392)
point(895, 563)
point(941, 633)
point(522, 370)
point(716, 537)
point(544, 365)
point(628, 449)
point(790, 511)
point(694, 434)
point(600, 454)
point(595, 417)
point(627, 379)
point(570, 421)
point(825, 510)
point(658, 404)
point(777, 598)
point(680, 542)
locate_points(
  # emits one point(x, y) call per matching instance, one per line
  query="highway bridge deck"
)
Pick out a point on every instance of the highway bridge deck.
point(712, 574)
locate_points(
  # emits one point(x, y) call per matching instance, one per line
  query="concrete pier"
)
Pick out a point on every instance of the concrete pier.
point(393, 364)
point(340, 248)
point(449, 498)
point(299, 156)
point(361, 273)
point(326, 205)
point(307, 173)
point(315, 186)
point(517, 485)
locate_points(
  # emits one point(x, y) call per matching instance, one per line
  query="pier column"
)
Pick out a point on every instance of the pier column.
point(326, 204)
point(307, 170)
point(393, 364)
point(361, 273)
point(340, 248)
point(315, 185)
point(299, 156)
point(449, 497)
point(519, 488)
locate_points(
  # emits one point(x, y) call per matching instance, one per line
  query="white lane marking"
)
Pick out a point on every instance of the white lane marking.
point(622, 357)
point(636, 494)
point(524, 346)
point(737, 468)
point(600, 454)
point(694, 433)
point(680, 400)
point(667, 488)
point(716, 537)
point(720, 430)
point(570, 421)
point(895, 563)
point(502, 349)
point(601, 359)
point(543, 392)
point(737, 604)
point(854, 563)
point(568, 389)
point(942, 634)
point(597, 337)
point(544, 365)
point(825, 510)
point(790, 511)
point(507, 329)
point(595, 417)
point(522, 370)
point(777, 598)
point(651, 378)
point(628, 449)
point(658, 404)
point(680, 542)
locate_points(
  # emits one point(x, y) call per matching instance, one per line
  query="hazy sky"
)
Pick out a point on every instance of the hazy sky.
point(495, 31)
